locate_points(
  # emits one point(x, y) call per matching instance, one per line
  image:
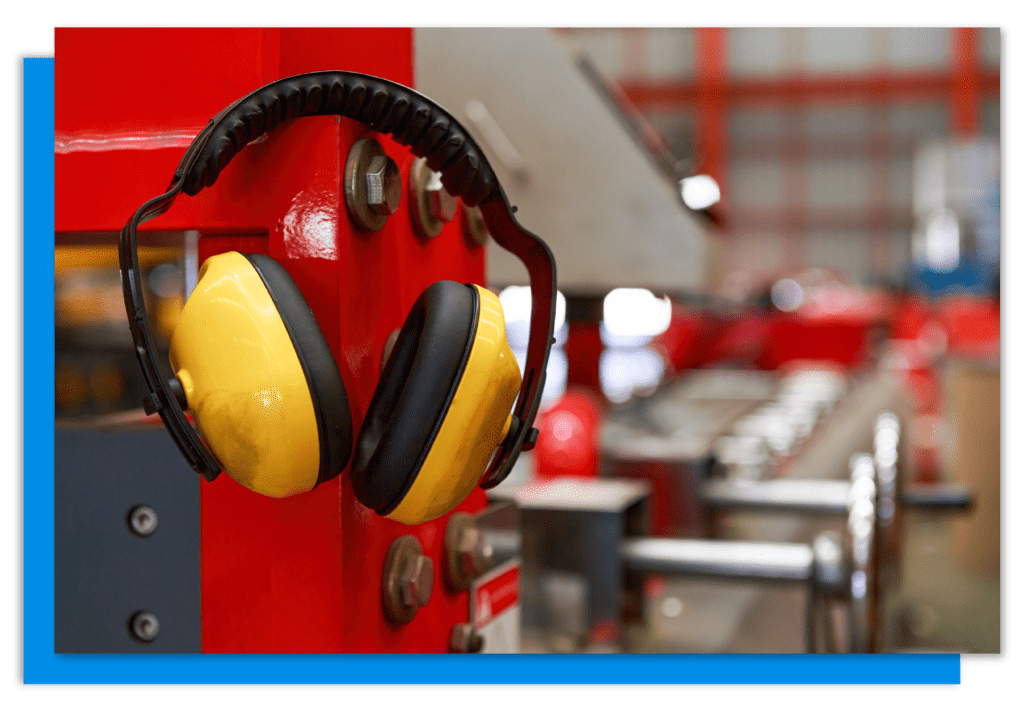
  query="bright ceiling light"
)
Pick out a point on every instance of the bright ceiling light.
point(700, 192)
point(517, 304)
point(636, 312)
point(787, 295)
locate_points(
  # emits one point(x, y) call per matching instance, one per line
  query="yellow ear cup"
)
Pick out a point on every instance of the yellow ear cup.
point(259, 377)
point(441, 407)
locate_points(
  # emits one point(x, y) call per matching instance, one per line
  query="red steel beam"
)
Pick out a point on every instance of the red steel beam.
point(712, 106)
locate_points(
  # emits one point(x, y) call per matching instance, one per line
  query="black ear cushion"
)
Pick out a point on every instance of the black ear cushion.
point(413, 394)
point(330, 402)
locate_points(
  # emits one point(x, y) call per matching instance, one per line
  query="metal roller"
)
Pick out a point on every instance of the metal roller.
point(825, 497)
point(733, 560)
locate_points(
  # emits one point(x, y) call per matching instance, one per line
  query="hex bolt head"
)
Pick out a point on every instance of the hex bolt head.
point(144, 626)
point(383, 185)
point(468, 552)
point(142, 520)
point(370, 180)
point(408, 580)
point(465, 639)
point(476, 554)
point(417, 581)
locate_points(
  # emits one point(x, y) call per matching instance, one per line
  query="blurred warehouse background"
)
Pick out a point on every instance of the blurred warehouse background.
point(771, 242)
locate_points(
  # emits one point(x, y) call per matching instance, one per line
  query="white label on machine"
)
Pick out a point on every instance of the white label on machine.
point(494, 608)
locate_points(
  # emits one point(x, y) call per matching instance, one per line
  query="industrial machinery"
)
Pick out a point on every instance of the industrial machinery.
point(586, 552)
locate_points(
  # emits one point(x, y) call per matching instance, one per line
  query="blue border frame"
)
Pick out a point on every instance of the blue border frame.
point(42, 665)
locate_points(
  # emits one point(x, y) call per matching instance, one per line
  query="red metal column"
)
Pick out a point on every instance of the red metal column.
point(712, 104)
point(583, 349)
point(965, 87)
point(301, 574)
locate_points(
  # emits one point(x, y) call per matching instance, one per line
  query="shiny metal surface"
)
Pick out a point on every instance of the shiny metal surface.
point(740, 560)
point(408, 580)
point(142, 520)
point(144, 626)
point(828, 497)
point(367, 193)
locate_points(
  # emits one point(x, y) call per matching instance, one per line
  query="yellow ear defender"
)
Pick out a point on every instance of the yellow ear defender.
point(259, 378)
point(255, 371)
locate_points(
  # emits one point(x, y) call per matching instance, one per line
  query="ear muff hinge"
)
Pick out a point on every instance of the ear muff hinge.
point(178, 391)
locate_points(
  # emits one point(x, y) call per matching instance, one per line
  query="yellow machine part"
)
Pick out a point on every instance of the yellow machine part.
point(475, 423)
point(244, 382)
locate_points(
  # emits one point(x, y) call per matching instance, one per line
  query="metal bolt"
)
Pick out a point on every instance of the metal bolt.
point(372, 185)
point(417, 581)
point(383, 185)
point(142, 520)
point(144, 626)
point(408, 579)
point(465, 639)
point(469, 553)
point(476, 554)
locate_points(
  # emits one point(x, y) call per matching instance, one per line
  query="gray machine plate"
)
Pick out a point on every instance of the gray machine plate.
point(103, 572)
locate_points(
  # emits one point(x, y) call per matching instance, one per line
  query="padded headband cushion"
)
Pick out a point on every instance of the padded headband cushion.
point(413, 394)
point(387, 107)
point(326, 389)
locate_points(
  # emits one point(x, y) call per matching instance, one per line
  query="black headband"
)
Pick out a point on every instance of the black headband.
point(412, 120)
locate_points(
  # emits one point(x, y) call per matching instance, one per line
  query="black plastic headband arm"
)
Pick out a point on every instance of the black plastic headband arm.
point(411, 119)
point(161, 399)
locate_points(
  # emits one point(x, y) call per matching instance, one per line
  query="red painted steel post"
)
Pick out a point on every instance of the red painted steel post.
point(712, 107)
point(301, 574)
point(965, 88)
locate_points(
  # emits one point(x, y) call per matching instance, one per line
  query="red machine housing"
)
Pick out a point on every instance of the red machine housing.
point(301, 574)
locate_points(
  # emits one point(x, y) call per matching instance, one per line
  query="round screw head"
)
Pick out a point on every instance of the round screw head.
point(383, 185)
point(145, 626)
point(142, 520)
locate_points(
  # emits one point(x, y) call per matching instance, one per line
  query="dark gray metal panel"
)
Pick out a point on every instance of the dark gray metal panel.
point(103, 572)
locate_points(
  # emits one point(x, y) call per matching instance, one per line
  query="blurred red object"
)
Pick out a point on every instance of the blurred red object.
point(910, 317)
point(697, 338)
point(569, 440)
point(972, 325)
